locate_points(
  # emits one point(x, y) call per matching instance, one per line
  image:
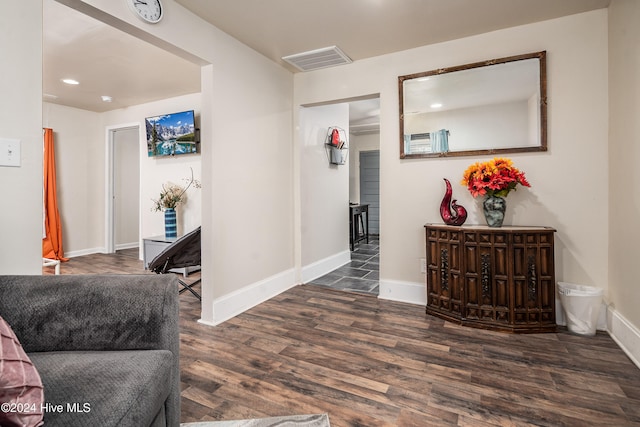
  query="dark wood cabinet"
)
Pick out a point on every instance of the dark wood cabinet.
point(492, 278)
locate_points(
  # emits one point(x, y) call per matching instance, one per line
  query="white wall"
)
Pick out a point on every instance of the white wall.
point(156, 171)
point(81, 147)
point(562, 195)
point(623, 190)
point(21, 119)
point(80, 158)
point(249, 215)
point(324, 193)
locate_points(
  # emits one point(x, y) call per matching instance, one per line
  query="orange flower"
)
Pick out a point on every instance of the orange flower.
point(495, 177)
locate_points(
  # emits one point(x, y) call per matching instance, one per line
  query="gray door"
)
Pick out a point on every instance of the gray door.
point(370, 187)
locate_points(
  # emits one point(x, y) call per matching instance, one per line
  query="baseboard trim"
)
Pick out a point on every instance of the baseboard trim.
point(83, 252)
point(625, 334)
point(237, 302)
point(131, 245)
point(409, 292)
point(102, 250)
point(320, 268)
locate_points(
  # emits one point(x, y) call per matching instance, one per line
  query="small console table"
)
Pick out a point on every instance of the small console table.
point(358, 226)
point(152, 246)
point(492, 278)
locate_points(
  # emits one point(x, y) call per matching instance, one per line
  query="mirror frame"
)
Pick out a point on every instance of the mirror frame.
point(542, 60)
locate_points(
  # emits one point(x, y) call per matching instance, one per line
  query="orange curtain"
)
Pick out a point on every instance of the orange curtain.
point(52, 240)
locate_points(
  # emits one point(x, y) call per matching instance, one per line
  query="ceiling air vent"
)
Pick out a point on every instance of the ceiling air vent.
point(319, 58)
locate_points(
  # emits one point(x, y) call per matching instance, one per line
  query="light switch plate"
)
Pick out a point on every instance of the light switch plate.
point(9, 152)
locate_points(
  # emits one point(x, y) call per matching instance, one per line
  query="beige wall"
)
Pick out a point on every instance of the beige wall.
point(624, 148)
point(247, 116)
point(81, 147)
point(80, 158)
point(156, 171)
point(21, 118)
point(247, 191)
point(251, 163)
point(562, 194)
point(324, 193)
point(246, 121)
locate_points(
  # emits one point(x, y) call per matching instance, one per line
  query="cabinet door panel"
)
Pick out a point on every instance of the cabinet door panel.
point(502, 294)
point(500, 261)
point(546, 261)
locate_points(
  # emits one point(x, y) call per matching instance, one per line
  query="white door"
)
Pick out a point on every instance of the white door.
point(126, 188)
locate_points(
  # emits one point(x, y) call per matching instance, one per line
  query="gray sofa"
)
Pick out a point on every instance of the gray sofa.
point(106, 347)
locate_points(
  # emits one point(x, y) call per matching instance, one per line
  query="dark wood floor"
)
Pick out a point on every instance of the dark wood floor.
point(370, 362)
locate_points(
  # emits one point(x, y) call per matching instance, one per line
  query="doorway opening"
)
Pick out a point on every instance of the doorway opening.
point(361, 272)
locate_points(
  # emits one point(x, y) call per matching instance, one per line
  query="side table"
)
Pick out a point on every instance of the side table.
point(152, 246)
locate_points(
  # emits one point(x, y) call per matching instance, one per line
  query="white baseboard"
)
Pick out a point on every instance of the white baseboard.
point(82, 252)
point(626, 335)
point(320, 268)
point(409, 292)
point(237, 302)
point(102, 250)
point(121, 246)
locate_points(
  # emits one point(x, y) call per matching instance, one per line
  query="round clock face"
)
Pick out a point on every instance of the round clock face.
point(148, 10)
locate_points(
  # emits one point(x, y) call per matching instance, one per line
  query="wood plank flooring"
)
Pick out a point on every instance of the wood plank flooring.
point(370, 362)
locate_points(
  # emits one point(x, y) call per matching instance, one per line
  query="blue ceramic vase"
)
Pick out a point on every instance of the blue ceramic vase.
point(170, 223)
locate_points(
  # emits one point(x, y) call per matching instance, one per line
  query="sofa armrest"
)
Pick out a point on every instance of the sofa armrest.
point(92, 312)
point(97, 312)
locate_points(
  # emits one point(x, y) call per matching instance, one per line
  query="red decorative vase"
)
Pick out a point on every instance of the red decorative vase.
point(451, 213)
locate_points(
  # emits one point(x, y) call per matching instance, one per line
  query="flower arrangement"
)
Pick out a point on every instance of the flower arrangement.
point(496, 177)
point(173, 194)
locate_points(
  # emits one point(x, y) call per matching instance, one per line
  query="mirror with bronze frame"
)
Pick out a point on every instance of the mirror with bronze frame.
point(490, 107)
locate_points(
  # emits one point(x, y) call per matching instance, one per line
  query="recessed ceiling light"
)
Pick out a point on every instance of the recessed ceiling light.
point(106, 98)
point(436, 105)
point(70, 81)
point(49, 96)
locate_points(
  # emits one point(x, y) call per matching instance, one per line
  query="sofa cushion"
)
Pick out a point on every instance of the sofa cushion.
point(104, 388)
point(21, 393)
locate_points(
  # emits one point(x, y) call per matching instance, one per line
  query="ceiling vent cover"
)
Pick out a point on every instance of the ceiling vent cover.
point(319, 58)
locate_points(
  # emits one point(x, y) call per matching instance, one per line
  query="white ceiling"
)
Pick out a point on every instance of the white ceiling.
point(107, 61)
point(367, 28)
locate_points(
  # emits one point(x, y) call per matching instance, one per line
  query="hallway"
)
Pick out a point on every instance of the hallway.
point(360, 275)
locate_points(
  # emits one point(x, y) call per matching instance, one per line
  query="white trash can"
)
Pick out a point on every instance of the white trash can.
point(581, 305)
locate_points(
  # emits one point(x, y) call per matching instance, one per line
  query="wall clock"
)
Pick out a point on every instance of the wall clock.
point(148, 10)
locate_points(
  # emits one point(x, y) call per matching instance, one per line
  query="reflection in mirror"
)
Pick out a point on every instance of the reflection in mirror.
point(490, 107)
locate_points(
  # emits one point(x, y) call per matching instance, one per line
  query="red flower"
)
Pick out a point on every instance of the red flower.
point(496, 177)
